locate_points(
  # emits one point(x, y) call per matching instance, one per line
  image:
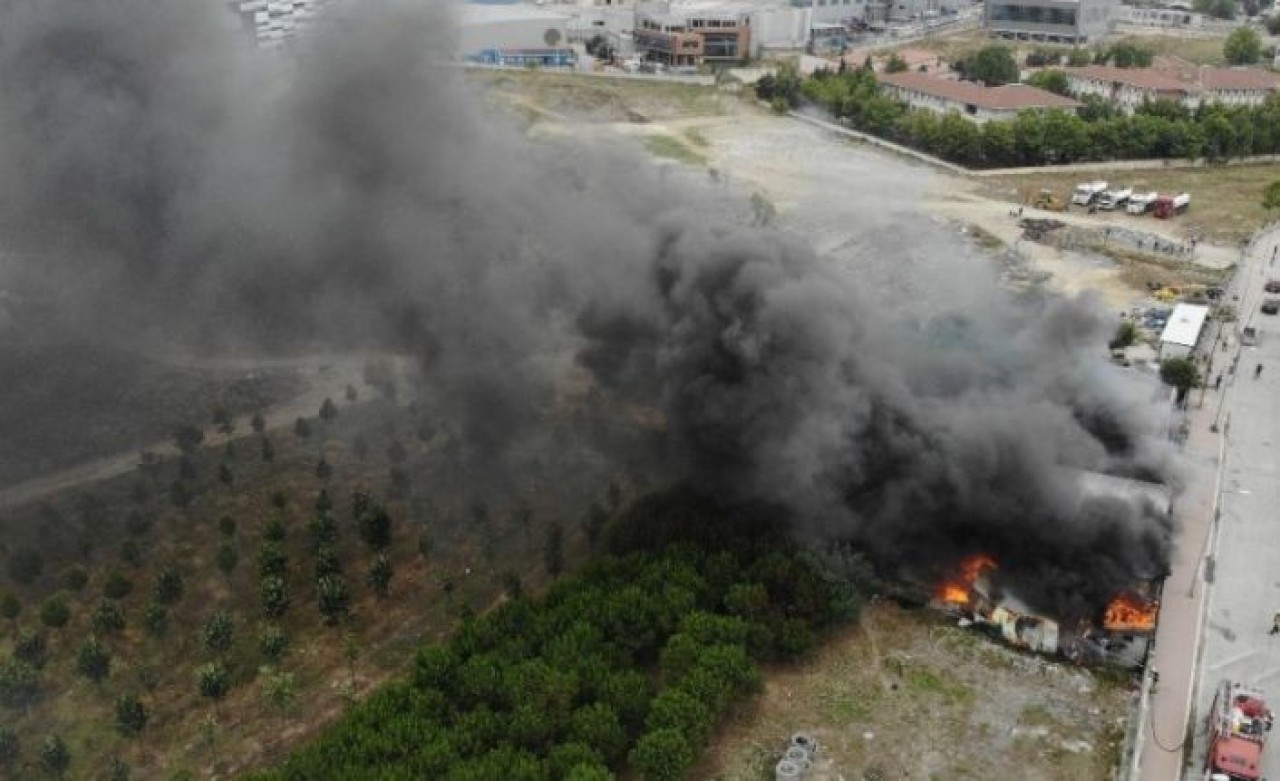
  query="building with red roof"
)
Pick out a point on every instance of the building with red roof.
point(971, 100)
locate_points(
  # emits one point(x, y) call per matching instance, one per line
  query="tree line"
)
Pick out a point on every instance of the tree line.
point(1161, 129)
point(627, 666)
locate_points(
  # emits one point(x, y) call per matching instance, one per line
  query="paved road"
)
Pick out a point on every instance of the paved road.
point(1219, 600)
point(326, 376)
point(1245, 591)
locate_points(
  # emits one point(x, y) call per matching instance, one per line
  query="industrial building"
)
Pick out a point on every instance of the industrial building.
point(968, 99)
point(273, 22)
point(1185, 84)
point(1182, 333)
point(693, 34)
point(1050, 21)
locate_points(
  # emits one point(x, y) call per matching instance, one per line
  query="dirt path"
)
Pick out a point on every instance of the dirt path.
point(327, 376)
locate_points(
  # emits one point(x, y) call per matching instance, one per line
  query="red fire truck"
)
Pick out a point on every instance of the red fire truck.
point(1238, 728)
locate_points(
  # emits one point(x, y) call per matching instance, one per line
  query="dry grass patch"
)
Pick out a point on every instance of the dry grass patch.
point(1226, 202)
point(906, 695)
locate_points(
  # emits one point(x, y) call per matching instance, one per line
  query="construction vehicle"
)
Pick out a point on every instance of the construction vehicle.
point(1169, 205)
point(1085, 194)
point(1238, 726)
point(1047, 201)
point(1115, 199)
point(1141, 203)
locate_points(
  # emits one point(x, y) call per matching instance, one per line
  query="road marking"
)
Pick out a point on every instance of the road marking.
point(1233, 659)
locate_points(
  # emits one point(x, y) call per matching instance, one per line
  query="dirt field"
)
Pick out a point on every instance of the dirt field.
point(908, 696)
point(1226, 203)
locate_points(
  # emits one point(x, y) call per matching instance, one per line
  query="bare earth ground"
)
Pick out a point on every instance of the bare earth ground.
point(905, 696)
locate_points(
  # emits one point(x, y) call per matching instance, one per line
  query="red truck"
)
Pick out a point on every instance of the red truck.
point(1238, 728)
point(1169, 205)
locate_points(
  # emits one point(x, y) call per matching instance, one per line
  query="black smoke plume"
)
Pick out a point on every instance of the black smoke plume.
point(354, 191)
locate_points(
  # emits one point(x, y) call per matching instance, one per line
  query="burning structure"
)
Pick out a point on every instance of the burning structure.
point(371, 201)
point(1117, 634)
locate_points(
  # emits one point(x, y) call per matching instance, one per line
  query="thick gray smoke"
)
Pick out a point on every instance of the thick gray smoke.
point(358, 194)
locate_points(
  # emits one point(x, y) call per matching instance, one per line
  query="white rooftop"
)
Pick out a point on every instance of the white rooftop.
point(1184, 325)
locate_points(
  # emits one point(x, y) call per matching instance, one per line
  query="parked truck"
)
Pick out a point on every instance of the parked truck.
point(1238, 727)
point(1085, 194)
point(1169, 205)
point(1115, 199)
point(1141, 203)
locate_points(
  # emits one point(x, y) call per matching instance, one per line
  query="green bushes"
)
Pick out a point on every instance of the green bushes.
point(629, 664)
point(1214, 132)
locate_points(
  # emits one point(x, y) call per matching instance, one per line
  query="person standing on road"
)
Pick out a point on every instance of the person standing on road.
point(1275, 625)
point(1217, 383)
point(1257, 371)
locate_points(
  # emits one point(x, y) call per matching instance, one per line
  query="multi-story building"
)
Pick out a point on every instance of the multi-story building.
point(689, 35)
point(971, 100)
point(1189, 86)
point(273, 22)
point(1051, 21)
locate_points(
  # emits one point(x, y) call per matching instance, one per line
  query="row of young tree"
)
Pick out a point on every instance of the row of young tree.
point(628, 665)
point(1156, 130)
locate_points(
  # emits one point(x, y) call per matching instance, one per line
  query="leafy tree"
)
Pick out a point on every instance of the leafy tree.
point(553, 549)
point(227, 526)
point(188, 438)
point(1218, 9)
point(131, 554)
point(93, 660)
point(258, 423)
point(218, 631)
point(327, 562)
point(25, 565)
point(107, 617)
point(598, 725)
point(116, 586)
point(895, 64)
point(268, 450)
point(1050, 79)
point(119, 770)
point(324, 530)
point(226, 558)
point(131, 715)
point(323, 470)
point(272, 559)
point(19, 683)
point(375, 526)
point(222, 419)
point(75, 578)
point(302, 428)
point(54, 612)
point(379, 575)
point(1242, 47)
point(55, 757)
point(212, 681)
point(1126, 334)
point(992, 65)
point(425, 544)
point(1271, 195)
point(156, 619)
point(224, 474)
point(273, 530)
point(333, 597)
point(32, 647)
point(328, 410)
point(1127, 54)
point(168, 586)
point(10, 748)
point(1180, 373)
point(1273, 24)
point(273, 642)
point(663, 755)
point(10, 606)
point(273, 592)
point(277, 688)
point(594, 523)
point(1078, 57)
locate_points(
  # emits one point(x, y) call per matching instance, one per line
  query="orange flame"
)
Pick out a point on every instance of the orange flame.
point(1129, 613)
point(958, 592)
